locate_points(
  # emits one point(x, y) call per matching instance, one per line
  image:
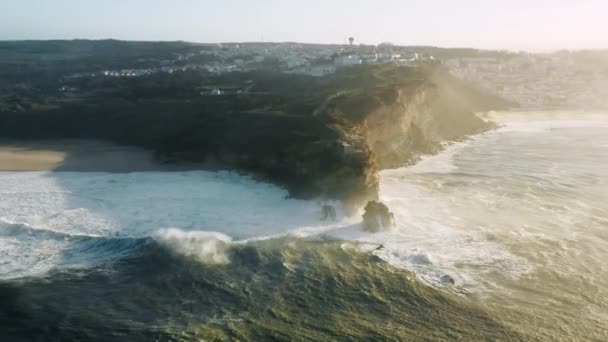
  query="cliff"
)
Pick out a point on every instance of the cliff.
point(319, 137)
point(338, 152)
point(402, 123)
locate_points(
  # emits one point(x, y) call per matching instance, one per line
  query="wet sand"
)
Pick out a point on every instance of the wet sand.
point(83, 156)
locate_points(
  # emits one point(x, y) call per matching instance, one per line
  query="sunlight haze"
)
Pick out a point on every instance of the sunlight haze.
point(282, 170)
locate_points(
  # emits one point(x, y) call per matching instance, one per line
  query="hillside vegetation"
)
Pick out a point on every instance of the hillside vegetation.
point(304, 132)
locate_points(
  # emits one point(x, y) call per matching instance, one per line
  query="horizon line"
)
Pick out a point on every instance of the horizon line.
point(514, 50)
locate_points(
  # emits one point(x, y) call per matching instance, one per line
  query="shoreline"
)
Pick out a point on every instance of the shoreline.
point(87, 156)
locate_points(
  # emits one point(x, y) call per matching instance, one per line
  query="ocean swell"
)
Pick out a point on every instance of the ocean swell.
point(206, 247)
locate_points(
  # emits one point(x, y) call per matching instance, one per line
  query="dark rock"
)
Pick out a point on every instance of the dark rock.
point(328, 212)
point(377, 217)
point(375, 258)
point(447, 280)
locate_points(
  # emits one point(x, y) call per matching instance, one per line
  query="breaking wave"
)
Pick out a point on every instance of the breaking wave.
point(202, 255)
point(307, 290)
point(206, 247)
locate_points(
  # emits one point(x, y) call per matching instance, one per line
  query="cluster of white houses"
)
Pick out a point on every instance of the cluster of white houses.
point(353, 59)
point(293, 58)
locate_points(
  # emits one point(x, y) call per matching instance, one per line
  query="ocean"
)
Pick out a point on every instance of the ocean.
point(516, 218)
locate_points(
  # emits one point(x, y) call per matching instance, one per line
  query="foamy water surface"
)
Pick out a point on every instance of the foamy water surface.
point(517, 217)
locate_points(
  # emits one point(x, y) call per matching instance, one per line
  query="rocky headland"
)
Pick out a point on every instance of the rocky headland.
point(321, 137)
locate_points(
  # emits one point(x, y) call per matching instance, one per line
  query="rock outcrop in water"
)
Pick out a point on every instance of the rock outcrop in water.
point(377, 217)
point(447, 280)
point(328, 212)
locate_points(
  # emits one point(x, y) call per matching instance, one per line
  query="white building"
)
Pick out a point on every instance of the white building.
point(213, 92)
point(347, 61)
point(315, 71)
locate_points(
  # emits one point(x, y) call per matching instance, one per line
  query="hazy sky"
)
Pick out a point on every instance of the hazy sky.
point(512, 24)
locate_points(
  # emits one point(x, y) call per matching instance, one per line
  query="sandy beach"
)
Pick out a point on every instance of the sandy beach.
point(81, 156)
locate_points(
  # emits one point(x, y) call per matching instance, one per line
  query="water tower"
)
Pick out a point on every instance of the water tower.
point(351, 40)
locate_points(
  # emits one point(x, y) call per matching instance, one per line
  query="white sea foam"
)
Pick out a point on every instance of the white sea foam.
point(137, 205)
point(542, 121)
point(536, 181)
point(458, 213)
point(206, 247)
point(439, 163)
point(24, 253)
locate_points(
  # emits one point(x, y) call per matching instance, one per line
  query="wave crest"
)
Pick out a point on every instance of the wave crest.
point(10, 228)
point(206, 247)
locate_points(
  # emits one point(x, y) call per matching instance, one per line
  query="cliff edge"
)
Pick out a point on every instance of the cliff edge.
point(319, 137)
point(392, 126)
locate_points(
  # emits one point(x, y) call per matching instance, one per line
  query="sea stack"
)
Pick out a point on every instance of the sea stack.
point(377, 217)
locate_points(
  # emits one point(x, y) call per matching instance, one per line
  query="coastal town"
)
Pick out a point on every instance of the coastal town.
point(290, 58)
point(529, 81)
point(560, 80)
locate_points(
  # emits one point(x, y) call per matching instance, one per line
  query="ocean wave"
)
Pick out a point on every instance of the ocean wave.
point(35, 251)
point(290, 289)
point(9, 228)
point(206, 247)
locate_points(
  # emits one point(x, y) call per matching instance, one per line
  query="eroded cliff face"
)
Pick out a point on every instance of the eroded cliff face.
point(399, 132)
point(416, 121)
point(337, 151)
point(415, 124)
point(321, 137)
